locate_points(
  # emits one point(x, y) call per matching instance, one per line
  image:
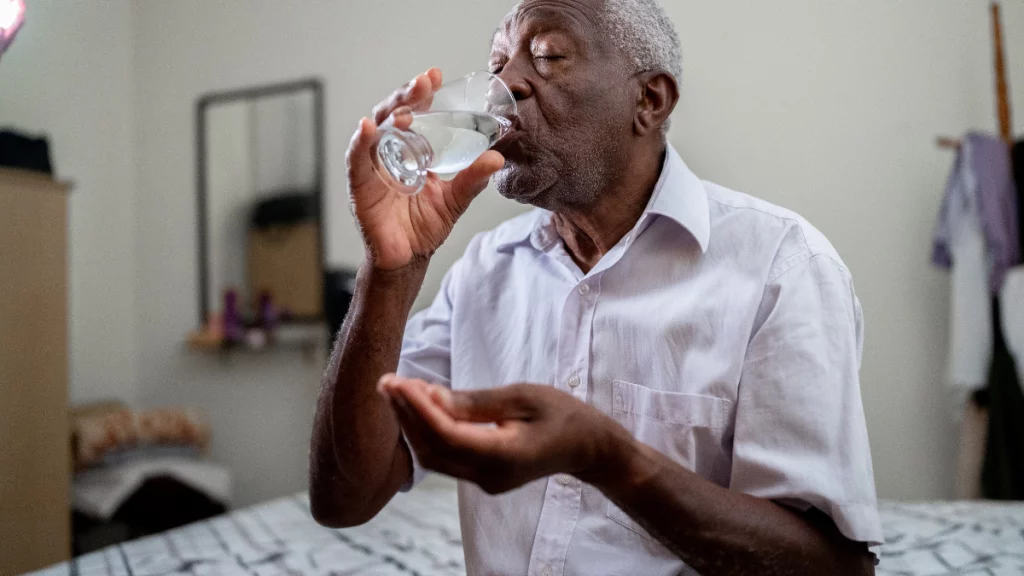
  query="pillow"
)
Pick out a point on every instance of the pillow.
point(98, 433)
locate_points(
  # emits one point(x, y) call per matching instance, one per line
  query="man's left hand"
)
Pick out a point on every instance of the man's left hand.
point(535, 431)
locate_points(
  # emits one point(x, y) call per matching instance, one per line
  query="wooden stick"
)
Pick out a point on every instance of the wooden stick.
point(1002, 86)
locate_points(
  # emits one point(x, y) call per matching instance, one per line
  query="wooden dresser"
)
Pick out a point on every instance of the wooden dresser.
point(34, 452)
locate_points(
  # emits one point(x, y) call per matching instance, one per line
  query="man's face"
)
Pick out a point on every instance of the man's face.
point(575, 103)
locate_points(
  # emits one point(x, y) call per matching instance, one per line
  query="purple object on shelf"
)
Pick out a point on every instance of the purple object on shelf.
point(268, 313)
point(233, 329)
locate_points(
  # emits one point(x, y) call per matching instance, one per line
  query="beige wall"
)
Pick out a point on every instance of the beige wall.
point(826, 107)
point(69, 76)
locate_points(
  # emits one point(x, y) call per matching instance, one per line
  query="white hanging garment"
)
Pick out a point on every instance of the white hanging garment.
point(970, 335)
point(1011, 302)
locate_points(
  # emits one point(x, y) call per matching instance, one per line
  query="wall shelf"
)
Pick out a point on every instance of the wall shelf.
point(307, 338)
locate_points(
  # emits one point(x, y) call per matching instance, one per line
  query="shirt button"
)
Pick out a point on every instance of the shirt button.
point(564, 479)
point(546, 571)
point(574, 381)
point(584, 288)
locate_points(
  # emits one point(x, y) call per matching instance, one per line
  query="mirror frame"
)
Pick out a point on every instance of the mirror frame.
point(203, 103)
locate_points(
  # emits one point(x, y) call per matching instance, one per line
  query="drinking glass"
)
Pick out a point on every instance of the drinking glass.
point(465, 118)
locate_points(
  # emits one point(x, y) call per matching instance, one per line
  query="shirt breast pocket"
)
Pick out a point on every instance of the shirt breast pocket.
point(688, 428)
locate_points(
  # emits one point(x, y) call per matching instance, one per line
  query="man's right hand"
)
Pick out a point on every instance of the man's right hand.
point(399, 230)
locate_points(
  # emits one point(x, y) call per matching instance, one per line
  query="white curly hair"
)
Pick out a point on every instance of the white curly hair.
point(645, 34)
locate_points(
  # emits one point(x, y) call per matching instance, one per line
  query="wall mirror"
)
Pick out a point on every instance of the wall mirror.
point(260, 187)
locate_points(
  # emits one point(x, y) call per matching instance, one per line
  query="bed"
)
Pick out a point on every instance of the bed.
point(418, 534)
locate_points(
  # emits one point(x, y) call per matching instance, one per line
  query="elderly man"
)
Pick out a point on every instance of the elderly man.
point(646, 375)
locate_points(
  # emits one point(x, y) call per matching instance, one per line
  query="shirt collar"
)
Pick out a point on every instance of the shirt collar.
point(679, 196)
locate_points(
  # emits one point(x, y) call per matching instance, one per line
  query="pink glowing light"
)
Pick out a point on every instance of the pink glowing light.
point(12, 15)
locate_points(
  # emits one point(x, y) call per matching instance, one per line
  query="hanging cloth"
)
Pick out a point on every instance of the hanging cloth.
point(977, 236)
point(982, 186)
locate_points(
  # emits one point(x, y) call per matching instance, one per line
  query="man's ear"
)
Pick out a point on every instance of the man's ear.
point(659, 94)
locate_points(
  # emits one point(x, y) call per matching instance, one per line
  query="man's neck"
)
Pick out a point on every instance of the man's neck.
point(589, 232)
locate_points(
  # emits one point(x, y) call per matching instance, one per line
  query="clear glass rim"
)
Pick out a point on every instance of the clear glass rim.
point(495, 78)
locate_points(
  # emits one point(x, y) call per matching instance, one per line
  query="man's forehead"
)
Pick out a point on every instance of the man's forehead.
point(580, 16)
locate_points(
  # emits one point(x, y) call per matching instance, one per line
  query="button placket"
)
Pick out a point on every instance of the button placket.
point(589, 291)
point(560, 510)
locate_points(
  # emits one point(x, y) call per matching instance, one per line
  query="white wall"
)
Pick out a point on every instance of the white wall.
point(829, 108)
point(69, 76)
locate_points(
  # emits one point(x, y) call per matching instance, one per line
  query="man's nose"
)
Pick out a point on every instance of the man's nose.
point(516, 81)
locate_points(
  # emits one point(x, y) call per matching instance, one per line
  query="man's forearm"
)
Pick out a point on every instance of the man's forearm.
point(358, 460)
point(715, 530)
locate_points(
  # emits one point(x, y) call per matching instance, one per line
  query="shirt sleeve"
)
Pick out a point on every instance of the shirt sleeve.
point(800, 435)
point(426, 351)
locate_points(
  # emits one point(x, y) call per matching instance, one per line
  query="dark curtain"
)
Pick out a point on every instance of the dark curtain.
point(1002, 474)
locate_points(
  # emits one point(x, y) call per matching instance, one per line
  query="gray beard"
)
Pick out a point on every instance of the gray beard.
point(522, 184)
point(551, 185)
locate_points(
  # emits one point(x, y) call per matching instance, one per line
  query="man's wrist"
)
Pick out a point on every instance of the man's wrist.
point(400, 285)
point(619, 461)
point(415, 269)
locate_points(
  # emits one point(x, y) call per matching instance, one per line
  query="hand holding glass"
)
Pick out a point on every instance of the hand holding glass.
point(465, 118)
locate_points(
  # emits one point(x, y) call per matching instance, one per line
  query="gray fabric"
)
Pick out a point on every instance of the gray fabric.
point(993, 194)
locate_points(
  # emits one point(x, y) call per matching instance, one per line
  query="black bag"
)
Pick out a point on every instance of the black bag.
point(339, 286)
point(20, 151)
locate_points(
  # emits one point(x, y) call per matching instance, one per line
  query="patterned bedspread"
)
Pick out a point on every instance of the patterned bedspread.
point(418, 534)
point(970, 538)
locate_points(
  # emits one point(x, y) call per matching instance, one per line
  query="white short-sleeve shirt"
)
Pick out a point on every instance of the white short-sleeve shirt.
point(722, 331)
